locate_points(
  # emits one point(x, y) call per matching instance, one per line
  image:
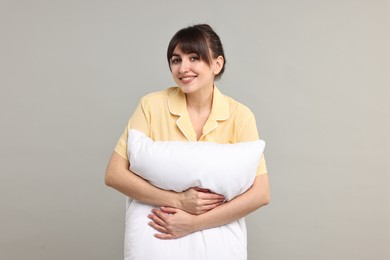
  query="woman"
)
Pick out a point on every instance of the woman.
point(195, 110)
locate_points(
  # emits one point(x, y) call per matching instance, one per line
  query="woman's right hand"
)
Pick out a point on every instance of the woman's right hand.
point(197, 200)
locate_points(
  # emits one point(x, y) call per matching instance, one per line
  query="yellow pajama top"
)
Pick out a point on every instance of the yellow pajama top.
point(163, 116)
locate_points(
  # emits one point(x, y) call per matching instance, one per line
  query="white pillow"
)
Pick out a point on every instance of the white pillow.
point(227, 169)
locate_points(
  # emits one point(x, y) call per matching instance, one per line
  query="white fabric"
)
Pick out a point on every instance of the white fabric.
point(227, 169)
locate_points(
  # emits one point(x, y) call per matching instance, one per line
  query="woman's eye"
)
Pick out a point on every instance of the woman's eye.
point(175, 60)
point(194, 58)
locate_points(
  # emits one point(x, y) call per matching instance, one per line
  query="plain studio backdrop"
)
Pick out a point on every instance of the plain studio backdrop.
point(315, 73)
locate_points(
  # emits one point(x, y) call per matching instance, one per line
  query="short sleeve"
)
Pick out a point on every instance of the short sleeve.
point(248, 132)
point(140, 121)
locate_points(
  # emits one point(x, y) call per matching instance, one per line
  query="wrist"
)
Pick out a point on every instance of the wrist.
point(179, 200)
point(198, 223)
point(174, 200)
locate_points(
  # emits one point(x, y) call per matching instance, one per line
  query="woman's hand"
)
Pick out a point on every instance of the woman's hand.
point(175, 223)
point(198, 201)
point(172, 223)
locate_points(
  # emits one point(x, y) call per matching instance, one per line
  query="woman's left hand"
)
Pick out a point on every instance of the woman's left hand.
point(172, 223)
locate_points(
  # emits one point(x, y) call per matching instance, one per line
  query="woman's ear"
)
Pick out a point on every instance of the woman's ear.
point(218, 64)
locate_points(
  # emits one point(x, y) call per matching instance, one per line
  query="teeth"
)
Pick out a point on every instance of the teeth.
point(187, 78)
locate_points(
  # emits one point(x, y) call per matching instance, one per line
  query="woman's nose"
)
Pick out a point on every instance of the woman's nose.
point(184, 66)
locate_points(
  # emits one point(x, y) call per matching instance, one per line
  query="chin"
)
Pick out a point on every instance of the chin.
point(187, 89)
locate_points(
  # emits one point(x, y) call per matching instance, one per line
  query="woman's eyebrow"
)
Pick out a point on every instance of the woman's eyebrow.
point(177, 55)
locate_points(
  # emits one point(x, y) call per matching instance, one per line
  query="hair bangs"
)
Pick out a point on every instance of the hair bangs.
point(190, 40)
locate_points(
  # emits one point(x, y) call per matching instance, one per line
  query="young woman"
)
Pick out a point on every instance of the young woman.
point(194, 110)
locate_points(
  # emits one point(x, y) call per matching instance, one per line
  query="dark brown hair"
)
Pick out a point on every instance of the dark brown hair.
point(198, 39)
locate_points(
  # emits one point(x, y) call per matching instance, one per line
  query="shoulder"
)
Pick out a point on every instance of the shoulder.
point(157, 96)
point(237, 108)
point(242, 120)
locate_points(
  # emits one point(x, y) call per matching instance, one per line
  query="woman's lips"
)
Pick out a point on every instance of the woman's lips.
point(187, 79)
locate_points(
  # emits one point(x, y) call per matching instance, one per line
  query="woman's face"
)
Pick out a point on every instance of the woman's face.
point(192, 74)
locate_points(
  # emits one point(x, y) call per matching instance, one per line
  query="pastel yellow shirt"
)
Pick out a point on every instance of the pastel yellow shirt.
point(163, 116)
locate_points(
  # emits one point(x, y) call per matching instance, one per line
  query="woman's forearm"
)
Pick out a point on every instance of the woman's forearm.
point(194, 201)
point(123, 180)
point(257, 196)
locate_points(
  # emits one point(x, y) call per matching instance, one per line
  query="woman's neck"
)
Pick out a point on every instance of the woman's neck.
point(199, 107)
point(200, 101)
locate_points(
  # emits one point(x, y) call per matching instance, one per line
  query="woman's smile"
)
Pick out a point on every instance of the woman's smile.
point(187, 79)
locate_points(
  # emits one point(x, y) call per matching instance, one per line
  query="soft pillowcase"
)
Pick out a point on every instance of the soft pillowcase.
point(227, 169)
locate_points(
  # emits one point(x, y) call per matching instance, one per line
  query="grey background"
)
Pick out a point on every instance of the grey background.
point(315, 73)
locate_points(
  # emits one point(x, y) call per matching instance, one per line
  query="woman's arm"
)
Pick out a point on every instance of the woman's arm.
point(119, 177)
point(174, 223)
